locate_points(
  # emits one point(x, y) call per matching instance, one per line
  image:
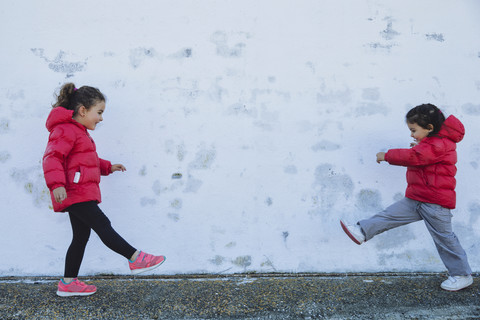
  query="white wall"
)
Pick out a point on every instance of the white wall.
point(272, 111)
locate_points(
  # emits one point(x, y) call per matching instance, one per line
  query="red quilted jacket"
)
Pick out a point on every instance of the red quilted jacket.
point(70, 149)
point(431, 165)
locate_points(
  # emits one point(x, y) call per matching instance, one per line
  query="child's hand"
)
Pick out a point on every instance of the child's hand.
point(380, 157)
point(118, 167)
point(60, 194)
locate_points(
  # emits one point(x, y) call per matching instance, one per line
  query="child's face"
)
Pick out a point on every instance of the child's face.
point(91, 117)
point(417, 132)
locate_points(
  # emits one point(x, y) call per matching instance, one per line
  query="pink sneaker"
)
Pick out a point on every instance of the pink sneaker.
point(145, 262)
point(75, 288)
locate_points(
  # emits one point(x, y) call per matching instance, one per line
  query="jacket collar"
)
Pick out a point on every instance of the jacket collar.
point(60, 115)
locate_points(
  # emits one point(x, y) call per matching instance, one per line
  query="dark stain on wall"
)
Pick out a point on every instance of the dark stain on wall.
point(59, 63)
point(435, 37)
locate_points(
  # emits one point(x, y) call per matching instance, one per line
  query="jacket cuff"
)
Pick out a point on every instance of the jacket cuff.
point(386, 157)
point(55, 186)
point(105, 167)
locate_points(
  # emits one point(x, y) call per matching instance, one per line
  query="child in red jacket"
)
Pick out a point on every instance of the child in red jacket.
point(72, 171)
point(430, 192)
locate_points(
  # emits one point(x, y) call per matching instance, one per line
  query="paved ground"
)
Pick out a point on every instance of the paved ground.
point(363, 296)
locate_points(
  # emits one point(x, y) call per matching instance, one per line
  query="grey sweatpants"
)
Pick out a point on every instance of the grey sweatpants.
point(438, 221)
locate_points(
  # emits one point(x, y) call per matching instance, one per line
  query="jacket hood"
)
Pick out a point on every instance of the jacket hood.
point(57, 116)
point(452, 129)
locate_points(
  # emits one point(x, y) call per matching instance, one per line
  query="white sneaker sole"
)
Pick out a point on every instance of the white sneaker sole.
point(73, 294)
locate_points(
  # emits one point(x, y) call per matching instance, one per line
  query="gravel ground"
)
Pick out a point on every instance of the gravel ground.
point(310, 296)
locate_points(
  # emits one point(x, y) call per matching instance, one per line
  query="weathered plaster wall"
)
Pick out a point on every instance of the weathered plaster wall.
point(271, 111)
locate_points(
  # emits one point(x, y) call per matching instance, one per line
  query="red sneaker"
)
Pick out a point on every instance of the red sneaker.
point(75, 288)
point(145, 262)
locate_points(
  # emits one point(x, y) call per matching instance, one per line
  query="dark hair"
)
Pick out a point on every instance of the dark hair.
point(72, 98)
point(425, 115)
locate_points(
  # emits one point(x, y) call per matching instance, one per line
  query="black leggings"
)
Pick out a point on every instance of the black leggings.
point(85, 216)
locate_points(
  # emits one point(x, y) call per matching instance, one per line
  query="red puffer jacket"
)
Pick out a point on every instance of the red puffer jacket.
point(70, 149)
point(431, 165)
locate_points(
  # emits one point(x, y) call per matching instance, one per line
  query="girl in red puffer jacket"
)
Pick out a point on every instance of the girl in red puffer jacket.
point(430, 192)
point(72, 172)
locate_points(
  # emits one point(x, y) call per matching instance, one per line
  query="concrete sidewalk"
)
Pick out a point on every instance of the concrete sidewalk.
point(267, 296)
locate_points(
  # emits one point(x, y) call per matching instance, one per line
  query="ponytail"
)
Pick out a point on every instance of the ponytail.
point(65, 95)
point(72, 98)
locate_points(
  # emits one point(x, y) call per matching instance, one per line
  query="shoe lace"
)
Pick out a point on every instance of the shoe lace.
point(79, 283)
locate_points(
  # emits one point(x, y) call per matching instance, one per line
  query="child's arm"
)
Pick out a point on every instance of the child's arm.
point(380, 157)
point(105, 167)
point(60, 143)
point(118, 167)
point(60, 194)
point(420, 155)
